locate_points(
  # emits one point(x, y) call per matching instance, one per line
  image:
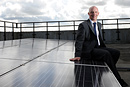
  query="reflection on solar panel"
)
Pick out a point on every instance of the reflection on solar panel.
point(45, 63)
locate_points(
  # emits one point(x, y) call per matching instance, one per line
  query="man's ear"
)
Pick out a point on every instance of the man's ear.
point(88, 13)
point(98, 13)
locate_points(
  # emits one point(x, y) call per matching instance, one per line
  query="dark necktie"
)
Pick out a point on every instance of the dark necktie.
point(95, 32)
point(95, 28)
point(98, 41)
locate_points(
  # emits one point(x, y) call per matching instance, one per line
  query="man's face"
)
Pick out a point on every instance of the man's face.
point(93, 13)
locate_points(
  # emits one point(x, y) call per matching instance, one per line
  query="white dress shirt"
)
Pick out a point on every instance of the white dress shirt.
point(96, 31)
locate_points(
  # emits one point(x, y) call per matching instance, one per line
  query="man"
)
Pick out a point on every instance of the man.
point(89, 44)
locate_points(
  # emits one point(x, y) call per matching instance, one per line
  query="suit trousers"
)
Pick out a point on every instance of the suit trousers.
point(108, 55)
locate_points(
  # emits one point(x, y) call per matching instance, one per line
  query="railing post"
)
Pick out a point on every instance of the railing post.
point(74, 29)
point(4, 30)
point(16, 25)
point(34, 30)
point(47, 34)
point(103, 31)
point(13, 31)
point(20, 30)
point(59, 29)
point(118, 38)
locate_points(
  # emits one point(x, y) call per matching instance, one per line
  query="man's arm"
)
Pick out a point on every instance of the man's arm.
point(79, 43)
point(75, 59)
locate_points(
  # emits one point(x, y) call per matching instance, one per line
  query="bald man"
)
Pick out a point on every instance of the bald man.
point(89, 44)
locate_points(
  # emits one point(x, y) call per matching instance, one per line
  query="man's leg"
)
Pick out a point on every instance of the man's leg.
point(105, 55)
point(110, 56)
point(114, 54)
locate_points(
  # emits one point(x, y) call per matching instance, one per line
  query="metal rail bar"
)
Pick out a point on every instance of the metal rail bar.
point(59, 24)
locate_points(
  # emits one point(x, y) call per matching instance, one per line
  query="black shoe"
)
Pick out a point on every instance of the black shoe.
point(123, 83)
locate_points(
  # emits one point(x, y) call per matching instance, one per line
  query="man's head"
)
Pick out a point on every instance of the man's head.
point(93, 13)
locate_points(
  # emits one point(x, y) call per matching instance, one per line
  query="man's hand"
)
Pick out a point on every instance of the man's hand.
point(75, 59)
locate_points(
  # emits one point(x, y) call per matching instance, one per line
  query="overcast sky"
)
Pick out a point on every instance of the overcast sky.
point(49, 10)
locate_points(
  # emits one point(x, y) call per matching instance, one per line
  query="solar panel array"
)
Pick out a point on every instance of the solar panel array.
point(45, 63)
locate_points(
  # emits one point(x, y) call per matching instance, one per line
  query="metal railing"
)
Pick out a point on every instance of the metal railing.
point(59, 26)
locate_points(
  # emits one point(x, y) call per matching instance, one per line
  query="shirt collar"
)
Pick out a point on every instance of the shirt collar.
point(92, 21)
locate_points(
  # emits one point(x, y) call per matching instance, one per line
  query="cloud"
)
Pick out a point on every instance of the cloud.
point(95, 2)
point(112, 10)
point(124, 3)
point(44, 10)
point(30, 10)
point(29, 19)
point(22, 9)
point(33, 8)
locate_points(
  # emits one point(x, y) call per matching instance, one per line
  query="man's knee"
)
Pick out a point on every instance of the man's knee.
point(107, 56)
point(115, 52)
point(107, 53)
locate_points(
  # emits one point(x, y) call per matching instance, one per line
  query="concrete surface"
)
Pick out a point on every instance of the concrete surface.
point(124, 61)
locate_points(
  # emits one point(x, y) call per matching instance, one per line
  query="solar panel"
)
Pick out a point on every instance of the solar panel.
point(45, 63)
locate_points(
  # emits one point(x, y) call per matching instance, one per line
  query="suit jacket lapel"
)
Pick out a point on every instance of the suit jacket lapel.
point(99, 29)
point(90, 25)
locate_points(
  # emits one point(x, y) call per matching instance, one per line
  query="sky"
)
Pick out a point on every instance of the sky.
point(59, 10)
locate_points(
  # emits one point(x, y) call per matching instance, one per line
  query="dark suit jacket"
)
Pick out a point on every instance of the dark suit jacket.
point(86, 40)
